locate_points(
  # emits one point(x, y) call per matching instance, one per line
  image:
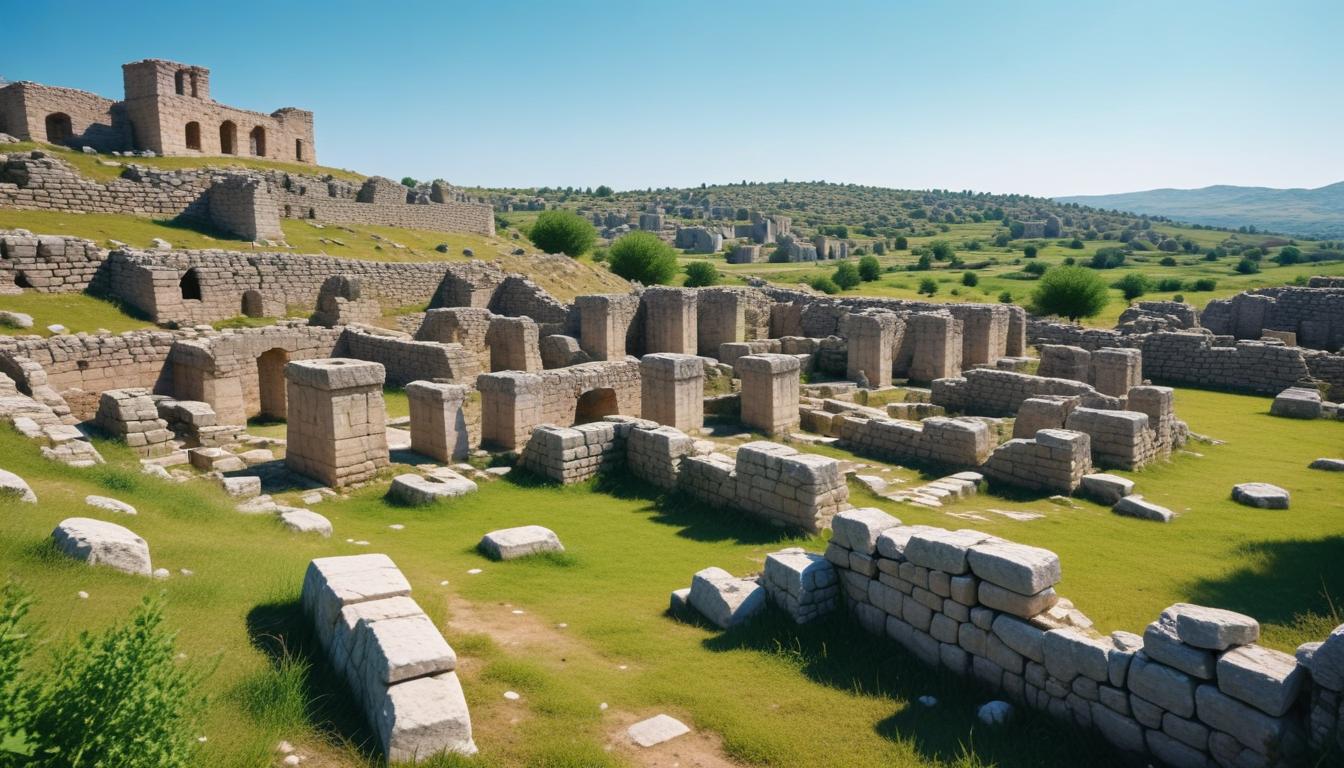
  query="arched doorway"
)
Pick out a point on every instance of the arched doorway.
point(190, 285)
point(59, 130)
point(228, 138)
point(594, 405)
point(257, 140)
point(271, 383)
point(253, 306)
point(194, 135)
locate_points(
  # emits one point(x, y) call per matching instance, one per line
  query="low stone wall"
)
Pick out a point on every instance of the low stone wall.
point(1314, 314)
point(514, 403)
point(1054, 461)
point(407, 360)
point(937, 441)
point(991, 392)
point(1249, 366)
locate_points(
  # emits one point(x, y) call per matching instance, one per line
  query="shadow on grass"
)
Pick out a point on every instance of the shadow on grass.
point(697, 520)
point(838, 653)
point(280, 631)
point(1280, 582)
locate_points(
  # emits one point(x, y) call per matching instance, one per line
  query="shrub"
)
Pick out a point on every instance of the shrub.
point(603, 191)
point(1030, 251)
point(1071, 292)
point(925, 262)
point(847, 275)
point(559, 231)
point(928, 286)
point(870, 268)
point(407, 181)
point(1107, 258)
point(1248, 266)
point(880, 248)
point(701, 273)
point(1133, 285)
point(600, 255)
point(970, 279)
point(824, 284)
point(643, 256)
point(1006, 298)
point(1076, 244)
point(1036, 268)
point(1169, 284)
point(1069, 261)
point(902, 244)
point(942, 250)
point(1179, 297)
point(1167, 261)
point(1288, 254)
point(1204, 284)
point(1002, 239)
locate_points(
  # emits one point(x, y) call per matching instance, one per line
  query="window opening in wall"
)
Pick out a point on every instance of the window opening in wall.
point(258, 141)
point(190, 285)
point(58, 128)
point(228, 138)
point(194, 135)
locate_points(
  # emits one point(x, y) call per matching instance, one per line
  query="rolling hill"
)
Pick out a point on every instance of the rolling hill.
point(1308, 212)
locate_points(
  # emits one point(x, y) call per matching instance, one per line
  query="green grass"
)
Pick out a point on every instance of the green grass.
point(775, 694)
point(91, 166)
point(76, 311)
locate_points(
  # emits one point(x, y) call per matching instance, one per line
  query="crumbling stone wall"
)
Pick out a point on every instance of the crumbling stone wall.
point(1314, 314)
point(938, 441)
point(992, 392)
point(771, 481)
point(407, 360)
point(514, 403)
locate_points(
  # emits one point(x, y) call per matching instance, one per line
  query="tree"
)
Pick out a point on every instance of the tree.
point(701, 273)
point(901, 243)
point(970, 279)
point(1072, 292)
point(1248, 266)
point(643, 256)
point(870, 268)
point(1288, 254)
point(1030, 251)
point(560, 231)
point(1133, 285)
point(928, 286)
point(603, 191)
point(847, 275)
point(824, 284)
point(880, 247)
point(407, 181)
point(942, 250)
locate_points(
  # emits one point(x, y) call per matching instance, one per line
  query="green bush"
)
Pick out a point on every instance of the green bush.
point(1288, 254)
point(824, 284)
point(643, 256)
point(928, 286)
point(1168, 261)
point(1037, 268)
point(1073, 292)
point(942, 250)
point(870, 268)
point(559, 231)
point(925, 262)
point(1204, 284)
point(1133, 285)
point(1107, 258)
point(1248, 266)
point(1076, 244)
point(1030, 251)
point(970, 279)
point(1169, 284)
point(1006, 297)
point(847, 275)
point(701, 273)
point(902, 244)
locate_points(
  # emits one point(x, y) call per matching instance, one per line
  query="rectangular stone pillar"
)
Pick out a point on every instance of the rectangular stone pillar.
point(1062, 361)
point(511, 406)
point(336, 429)
point(672, 389)
point(515, 344)
point(438, 423)
point(1159, 404)
point(984, 334)
point(721, 318)
point(935, 340)
point(871, 345)
point(670, 320)
point(769, 392)
point(1116, 371)
point(1017, 332)
point(604, 324)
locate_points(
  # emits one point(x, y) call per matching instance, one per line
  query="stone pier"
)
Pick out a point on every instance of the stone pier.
point(438, 424)
point(984, 334)
point(515, 344)
point(604, 323)
point(934, 339)
point(673, 390)
point(721, 318)
point(1116, 371)
point(769, 392)
point(872, 340)
point(670, 322)
point(511, 405)
point(336, 429)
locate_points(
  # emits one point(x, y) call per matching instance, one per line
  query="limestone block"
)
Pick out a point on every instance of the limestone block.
point(858, 529)
point(1135, 505)
point(241, 487)
point(656, 730)
point(1297, 403)
point(1168, 688)
point(331, 583)
point(414, 489)
point(1260, 495)
point(513, 543)
point(1105, 488)
point(1213, 628)
point(1269, 680)
point(109, 505)
point(1162, 643)
point(893, 541)
point(1008, 601)
point(1249, 726)
point(943, 550)
point(724, 599)
point(305, 521)
point(101, 543)
point(423, 717)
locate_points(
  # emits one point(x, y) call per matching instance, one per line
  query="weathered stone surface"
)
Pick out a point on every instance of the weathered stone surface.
point(512, 543)
point(331, 583)
point(1021, 637)
point(1213, 628)
point(1105, 488)
point(1135, 505)
point(1261, 495)
point(1168, 688)
point(14, 487)
point(1297, 403)
point(1266, 679)
point(384, 651)
point(1247, 725)
point(858, 529)
point(1121, 731)
point(424, 717)
point(1328, 465)
point(1008, 601)
point(305, 521)
point(109, 504)
point(724, 599)
point(441, 484)
point(1016, 567)
point(1071, 652)
point(656, 730)
point(943, 550)
point(893, 541)
point(241, 487)
point(1326, 661)
point(101, 543)
point(1162, 643)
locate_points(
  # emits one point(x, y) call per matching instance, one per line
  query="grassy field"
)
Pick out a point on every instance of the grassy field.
point(76, 311)
point(94, 167)
point(574, 632)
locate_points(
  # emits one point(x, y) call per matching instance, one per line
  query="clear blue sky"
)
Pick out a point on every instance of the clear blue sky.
point(1044, 97)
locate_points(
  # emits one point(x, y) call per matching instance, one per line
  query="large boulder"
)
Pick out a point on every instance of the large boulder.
point(101, 543)
point(1297, 403)
point(512, 543)
point(14, 487)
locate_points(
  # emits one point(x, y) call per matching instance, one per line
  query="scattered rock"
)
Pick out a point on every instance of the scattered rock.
point(1105, 488)
point(242, 487)
point(1134, 505)
point(101, 543)
point(1329, 465)
point(513, 543)
point(724, 599)
point(14, 487)
point(305, 521)
point(656, 730)
point(928, 701)
point(15, 320)
point(109, 504)
point(56, 328)
point(161, 574)
point(441, 484)
point(1297, 403)
point(1260, 495)
point(995, 713)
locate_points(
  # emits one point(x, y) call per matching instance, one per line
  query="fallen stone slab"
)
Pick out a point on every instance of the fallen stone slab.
point(97, 542)
point(1105, 488)
point(16, 319)
point(1260, 495)
point(109, 504)
point(215, 460)
point(242, 487)
point(525, 540)
point(1297, 403)
point(724, 599)
point(417, 490)
point(305, 521)
point(656, 730)
point(1134, 505)
point(1329, 465)
point(14, 487)
point(424, 717)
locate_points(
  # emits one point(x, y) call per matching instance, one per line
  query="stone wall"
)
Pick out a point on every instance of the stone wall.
point(407, 360)
point(936, 441)
point(991, 392)
point(1314, 314)
point(514, 403)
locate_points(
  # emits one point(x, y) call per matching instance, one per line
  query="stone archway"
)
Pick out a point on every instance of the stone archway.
point(253, 304)
point(59, 129)
point(190, 285)
point(271, 383)
point(595, 404)
point(257, 141)
point(228, 138)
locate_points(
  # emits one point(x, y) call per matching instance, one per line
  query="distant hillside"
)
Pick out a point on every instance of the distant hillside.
point(1306, 212)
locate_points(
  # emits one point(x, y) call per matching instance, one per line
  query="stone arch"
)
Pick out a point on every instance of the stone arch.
point(194, 135)
point(190, 285)
point(271, 383)
point(253, 304)
point(59, 130)
point(228, 138)
point(595, 404)
point(257, 141)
